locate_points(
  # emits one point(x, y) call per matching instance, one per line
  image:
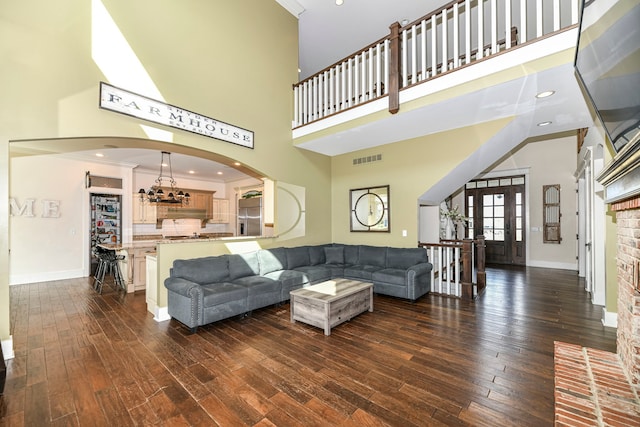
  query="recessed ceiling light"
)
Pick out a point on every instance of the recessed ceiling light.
point(339, 2)
point(237, 164)
point(547, 123)
point(219, 172)
point(545, 94)
point(99, 155)
point(192, 172)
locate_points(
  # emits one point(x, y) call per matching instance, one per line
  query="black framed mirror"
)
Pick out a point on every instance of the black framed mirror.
point(370, 210)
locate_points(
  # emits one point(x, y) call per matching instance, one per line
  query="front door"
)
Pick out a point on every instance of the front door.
point(496, 207)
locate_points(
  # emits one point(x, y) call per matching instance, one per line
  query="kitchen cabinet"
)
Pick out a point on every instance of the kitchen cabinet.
point(201, 200)
point(220, 214)
point(137, 258)
point(144, 212)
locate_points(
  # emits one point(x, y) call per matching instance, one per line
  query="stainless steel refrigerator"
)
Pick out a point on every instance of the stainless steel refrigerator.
point(250, 216)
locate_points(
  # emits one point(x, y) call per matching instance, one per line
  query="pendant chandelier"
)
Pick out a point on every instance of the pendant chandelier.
point(155, 194)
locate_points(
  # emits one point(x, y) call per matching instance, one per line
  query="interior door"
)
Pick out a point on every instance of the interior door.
point(498, 214)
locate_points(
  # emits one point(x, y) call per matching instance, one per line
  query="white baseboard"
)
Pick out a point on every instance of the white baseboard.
point(7, 348)
point(22, 279)
point(609, 319)
point(554, 265)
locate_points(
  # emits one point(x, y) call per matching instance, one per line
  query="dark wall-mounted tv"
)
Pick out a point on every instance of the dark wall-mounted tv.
point(608, 65)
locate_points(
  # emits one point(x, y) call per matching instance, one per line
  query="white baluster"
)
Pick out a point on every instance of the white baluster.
point(480, 53)
point(370, 73)
point(523, 21)
point(385, 76)
point(296, 112)
point(349, 82)
point(378, 69)
point(432, 260)
point(434, 44)
point(538, 18)
point(507, 23)
point(414, 57)
point(458, 286)
point(440, 272)
point(314, 98)
point(404, 53)
point(556, 15)
point(332, 90)
point(343, 85)
point(445, 52)
point(305, 101)
point(456, 36)
point(467, 31)
point(494, 27)
point(574, 11)
point(423, 50)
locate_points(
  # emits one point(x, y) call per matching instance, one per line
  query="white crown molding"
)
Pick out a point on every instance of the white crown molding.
point(292, 6)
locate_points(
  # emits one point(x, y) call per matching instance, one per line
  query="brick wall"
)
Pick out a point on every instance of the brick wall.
point(628, 262)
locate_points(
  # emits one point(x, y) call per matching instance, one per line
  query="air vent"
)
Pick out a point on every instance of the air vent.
point(367, 159)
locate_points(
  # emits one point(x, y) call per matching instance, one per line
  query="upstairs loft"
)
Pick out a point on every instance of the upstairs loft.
point(468, 63)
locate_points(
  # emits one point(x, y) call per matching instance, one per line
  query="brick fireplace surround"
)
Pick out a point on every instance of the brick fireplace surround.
point(598, 388)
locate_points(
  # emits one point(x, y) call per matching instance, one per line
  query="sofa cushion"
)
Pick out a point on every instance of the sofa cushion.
point(222, 293)
point(203, 270)
point(316, 255)
point(315, 273)
point(363, 272)
point(372, 255)
point(334, 255)
point(351, 254)
point(297, 257)
point(289, 278)
point(405, 257)
point(272, 260)
point(242, 265)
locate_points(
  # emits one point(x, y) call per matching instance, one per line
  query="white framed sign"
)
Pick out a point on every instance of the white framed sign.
point(131, 104)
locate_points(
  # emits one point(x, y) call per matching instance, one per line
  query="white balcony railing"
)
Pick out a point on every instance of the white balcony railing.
point(459, 34)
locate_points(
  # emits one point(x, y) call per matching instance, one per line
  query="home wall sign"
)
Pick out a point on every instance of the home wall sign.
point(131, 104)
point(50, 208)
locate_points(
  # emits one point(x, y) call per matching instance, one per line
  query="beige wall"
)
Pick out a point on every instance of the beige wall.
point(410, 168)
point(233, 61)
point(548, 161)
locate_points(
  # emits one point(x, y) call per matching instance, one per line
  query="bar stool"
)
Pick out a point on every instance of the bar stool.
point(108, 263)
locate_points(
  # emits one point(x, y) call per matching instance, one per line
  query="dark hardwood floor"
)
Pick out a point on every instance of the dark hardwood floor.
point(93, 360)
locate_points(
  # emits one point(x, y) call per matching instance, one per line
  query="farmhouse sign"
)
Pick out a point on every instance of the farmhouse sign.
point(131, 104)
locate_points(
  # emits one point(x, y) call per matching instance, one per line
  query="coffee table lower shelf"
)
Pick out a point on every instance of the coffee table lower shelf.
point(328, 304)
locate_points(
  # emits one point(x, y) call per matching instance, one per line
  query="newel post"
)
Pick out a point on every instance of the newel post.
point(467, 269)
point(394, 68)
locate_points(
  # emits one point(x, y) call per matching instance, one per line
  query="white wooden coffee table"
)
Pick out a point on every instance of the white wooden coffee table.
point(327, 304)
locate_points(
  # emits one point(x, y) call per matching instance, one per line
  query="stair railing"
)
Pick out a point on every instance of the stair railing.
point(458, 267)
point(454, 36)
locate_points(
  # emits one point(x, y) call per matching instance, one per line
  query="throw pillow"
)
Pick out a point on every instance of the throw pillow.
point(334, 255)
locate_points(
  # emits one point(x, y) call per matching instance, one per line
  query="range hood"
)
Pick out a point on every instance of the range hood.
point(182, 213)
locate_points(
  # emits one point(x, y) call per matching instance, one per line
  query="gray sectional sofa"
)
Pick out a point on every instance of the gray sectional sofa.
point(208, 289)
